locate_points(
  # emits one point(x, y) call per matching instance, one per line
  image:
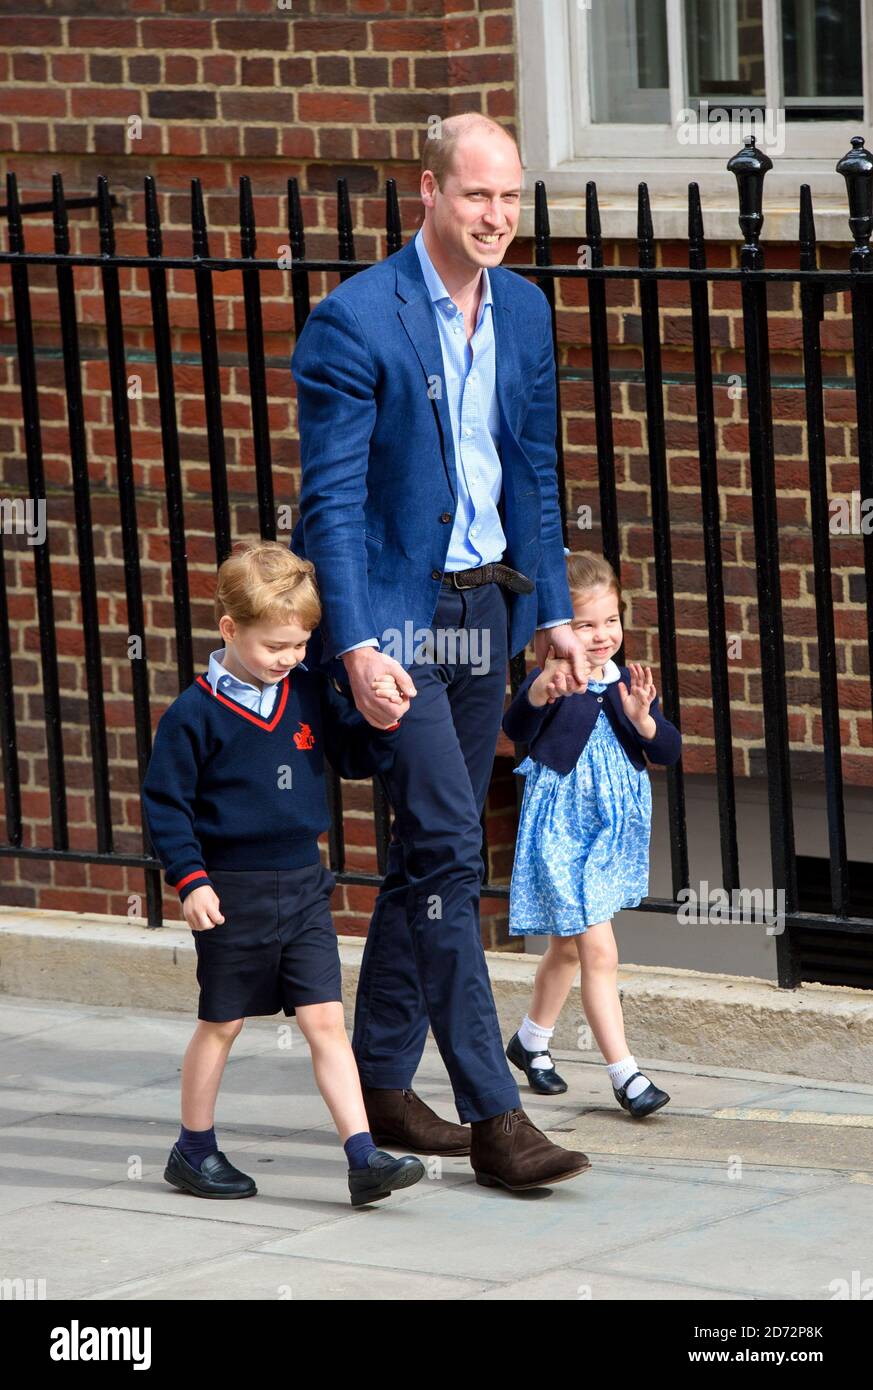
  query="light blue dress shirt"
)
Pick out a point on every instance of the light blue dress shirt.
point(471, 394)
point(260, 702)
point(469, 383)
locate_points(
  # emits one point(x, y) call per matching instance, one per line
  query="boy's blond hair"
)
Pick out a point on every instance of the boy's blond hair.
point(265, 582)
point(587, 571)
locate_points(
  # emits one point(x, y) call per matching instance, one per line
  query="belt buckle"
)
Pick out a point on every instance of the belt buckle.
point(463, 586)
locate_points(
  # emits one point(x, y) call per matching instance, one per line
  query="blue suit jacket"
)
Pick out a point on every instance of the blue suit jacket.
point(556, 734)
point(378, 481)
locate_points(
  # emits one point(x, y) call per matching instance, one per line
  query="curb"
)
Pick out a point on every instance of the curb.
point(817, 1031)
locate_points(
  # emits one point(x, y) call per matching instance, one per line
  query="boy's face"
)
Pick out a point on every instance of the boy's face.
point(265, 652)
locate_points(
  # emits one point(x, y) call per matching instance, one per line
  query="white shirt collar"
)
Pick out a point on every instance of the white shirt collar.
point(217, 671)
point(262, 701)
point(611, 673)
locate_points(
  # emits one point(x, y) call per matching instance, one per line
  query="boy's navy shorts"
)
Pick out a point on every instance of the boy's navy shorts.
point(275, 949)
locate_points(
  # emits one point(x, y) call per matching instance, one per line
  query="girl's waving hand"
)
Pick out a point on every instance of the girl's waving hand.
point(637, 701)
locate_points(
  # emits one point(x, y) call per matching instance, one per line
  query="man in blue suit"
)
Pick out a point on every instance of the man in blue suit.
point(429, 506)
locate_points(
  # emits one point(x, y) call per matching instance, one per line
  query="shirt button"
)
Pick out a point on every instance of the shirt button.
point(435, 574)
point(600, 699)
point(446, 516)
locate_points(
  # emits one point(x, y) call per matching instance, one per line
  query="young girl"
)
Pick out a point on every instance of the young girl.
point(582, 852)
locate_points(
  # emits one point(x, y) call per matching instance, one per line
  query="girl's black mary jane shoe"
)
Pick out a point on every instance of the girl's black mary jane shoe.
point(544, 1080)
point(648, 1100)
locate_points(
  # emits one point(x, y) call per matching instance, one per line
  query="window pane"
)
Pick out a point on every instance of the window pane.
point(628, 73)
point(725, 52)
point(821, 52)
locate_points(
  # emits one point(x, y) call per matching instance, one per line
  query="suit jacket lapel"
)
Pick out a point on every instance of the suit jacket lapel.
point(506, 364)
point(417, 317)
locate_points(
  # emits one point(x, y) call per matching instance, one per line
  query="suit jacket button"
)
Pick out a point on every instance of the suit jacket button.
point(600, 699)
point(446, 516)
point(435, 574)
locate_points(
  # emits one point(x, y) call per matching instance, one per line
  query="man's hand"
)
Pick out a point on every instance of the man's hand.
point(202, 909)
point(567, 644)
point(366, 666)
point(554, 681)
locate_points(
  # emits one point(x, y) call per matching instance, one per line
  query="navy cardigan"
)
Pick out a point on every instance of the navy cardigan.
point(557, 733)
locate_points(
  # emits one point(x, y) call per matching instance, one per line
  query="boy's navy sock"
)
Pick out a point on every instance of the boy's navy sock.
point(196, 1144)
point(358, 1148)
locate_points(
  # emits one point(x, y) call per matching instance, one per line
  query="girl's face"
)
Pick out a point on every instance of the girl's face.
point(597, 620)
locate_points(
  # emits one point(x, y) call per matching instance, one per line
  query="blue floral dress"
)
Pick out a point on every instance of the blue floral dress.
point(582, 851)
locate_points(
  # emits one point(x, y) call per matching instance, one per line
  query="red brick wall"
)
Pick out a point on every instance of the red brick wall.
point(330, 88)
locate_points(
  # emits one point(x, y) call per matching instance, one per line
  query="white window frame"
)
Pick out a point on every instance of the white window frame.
point(561, 145)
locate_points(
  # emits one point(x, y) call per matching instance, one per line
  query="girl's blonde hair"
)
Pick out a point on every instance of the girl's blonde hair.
point(265, 582)
point(587, 571)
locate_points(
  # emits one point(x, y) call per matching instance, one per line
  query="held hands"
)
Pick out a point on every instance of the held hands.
point(386, 687)
point(637, 701)
point(564, 640)
point(381, 688)
point(202, 909)
point(556, 679)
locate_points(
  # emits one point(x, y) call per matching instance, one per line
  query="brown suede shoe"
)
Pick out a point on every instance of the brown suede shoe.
point(510, 1151)
point(402, 1120)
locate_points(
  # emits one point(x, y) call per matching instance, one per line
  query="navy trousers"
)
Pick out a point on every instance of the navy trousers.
point(423, 960)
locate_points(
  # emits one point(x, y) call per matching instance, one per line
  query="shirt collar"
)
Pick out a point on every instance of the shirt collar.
point(611, 673)
point(217, 671)
point(437, 290)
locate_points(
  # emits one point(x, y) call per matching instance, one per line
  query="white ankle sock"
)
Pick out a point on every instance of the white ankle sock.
point(533, 1038)
point(619, 1073)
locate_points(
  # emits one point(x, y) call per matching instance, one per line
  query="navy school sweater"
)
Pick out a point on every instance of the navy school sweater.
point(226, 789)
point(557, 733)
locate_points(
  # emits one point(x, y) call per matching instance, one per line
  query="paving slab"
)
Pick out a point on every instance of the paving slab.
point(480, 1231)
point(253, 1275)
point(749, 1185)
point(80, 1250)
point(798, 1247)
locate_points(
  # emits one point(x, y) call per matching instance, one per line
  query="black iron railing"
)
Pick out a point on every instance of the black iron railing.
point(749, 165)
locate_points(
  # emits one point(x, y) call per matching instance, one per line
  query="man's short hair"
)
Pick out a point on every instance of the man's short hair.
point(438, 148)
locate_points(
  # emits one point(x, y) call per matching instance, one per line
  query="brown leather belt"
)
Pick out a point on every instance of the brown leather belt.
point(493, 573)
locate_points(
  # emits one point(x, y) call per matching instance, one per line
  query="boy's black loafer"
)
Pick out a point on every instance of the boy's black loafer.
point(544, 1080)
point(648, 1100)
point(382, 1175)
point(216, 1177)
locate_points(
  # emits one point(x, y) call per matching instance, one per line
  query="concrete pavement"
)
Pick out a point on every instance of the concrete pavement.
point(749, 1185)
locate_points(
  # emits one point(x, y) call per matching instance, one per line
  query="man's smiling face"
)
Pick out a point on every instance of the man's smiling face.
point(474, 216)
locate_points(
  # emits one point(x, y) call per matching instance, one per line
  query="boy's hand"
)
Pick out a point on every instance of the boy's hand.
point(637, 701)
point(363, 666)
point(386, 687)
point(202, 909)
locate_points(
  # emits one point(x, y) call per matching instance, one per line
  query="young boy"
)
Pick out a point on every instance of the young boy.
point(234, 799)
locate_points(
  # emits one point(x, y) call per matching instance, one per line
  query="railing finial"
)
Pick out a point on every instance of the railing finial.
point(750, 165)
point(856, 168)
